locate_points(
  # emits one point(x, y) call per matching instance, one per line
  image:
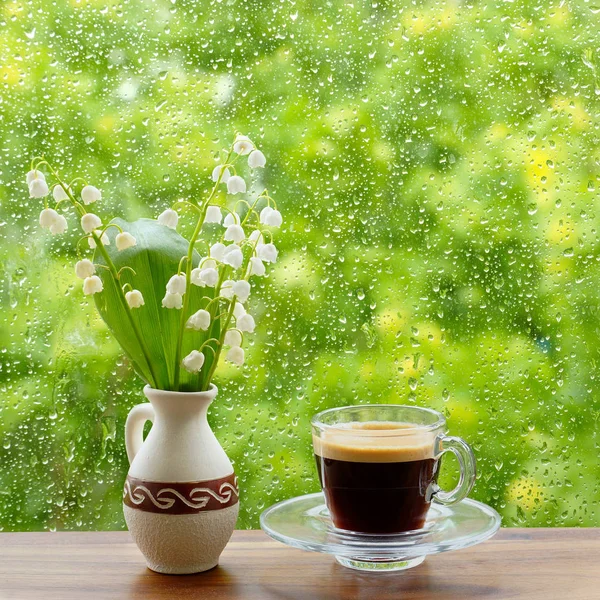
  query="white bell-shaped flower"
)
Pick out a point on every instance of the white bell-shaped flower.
point(90, 194)
point(235, 185)
point(193, 362)
point(231, 219)
point(35, 175)
point(84, 268)
point(48, 217)
point(208, 263)
point(233, 256)
point(222, 171)
point(234, 233)
point(236, 356)
point(238, 310)
point(92, 285)
point(104, 239)
point(227, 288)
point(172, 301)
point(134, 299)
point(125, 240)
point(257, 236)
point(241, 289)
point(38, 188)
point(58, 193)
point(275, 219)
point(195, 277)
point(242, 145)
point(271, 217)
point(264, 213)
point(168, 218)
point(217, 251)
point(209, 276)
point(232, 338)
point(204, 277)
point(90, 221)
point(213, 215)
point(59, 226)
point(176, 285)
point(267, 252)
point(256, 267)
point(246, 323)
point(256, 159)
point(199, 321)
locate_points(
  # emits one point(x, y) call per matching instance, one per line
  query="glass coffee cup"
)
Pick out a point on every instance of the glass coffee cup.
point(379, 464)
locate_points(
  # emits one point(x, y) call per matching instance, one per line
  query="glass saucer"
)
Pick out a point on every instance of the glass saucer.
point(304, 523)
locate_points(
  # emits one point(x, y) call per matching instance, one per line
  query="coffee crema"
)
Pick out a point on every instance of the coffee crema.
point(377, 477)
point(375, 441)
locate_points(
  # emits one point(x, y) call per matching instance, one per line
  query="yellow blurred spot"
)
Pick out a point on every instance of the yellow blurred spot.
point(340, 119)
point(526, 492)
point(447, 19)
point(559, 15)
point(12, 9)
point(462, 411)
point(367, 370)
point(409, 369)
point(81, 3)
point(574, 108)
point(319, 146)
point(180, 152)
point(498, 131)
point(389, 321)
point(560, 231)
point(10, 74)
point(430, 20)
point(561, 266)
point(525, 29)
point(429, 333)
point(540, 173)
point(383, 151)
point(105, 123)
point(417, 24)
point(295, 270)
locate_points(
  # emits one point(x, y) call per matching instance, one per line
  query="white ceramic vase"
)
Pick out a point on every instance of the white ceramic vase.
point(181, 497)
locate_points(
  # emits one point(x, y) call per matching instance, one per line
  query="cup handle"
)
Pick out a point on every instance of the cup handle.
point(134, 428)
point(466, 461)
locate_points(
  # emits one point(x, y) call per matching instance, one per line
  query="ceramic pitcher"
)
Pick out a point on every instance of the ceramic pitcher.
point(181, 496)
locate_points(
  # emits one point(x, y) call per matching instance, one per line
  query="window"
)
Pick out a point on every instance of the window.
point(437, 166)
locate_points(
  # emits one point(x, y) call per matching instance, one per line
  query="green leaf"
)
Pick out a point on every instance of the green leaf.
point(149, 334)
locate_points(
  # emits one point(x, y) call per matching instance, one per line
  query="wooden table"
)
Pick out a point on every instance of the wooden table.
point(544, 564)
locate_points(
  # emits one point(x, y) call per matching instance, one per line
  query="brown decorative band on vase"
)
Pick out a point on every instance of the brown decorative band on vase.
point(185, 498)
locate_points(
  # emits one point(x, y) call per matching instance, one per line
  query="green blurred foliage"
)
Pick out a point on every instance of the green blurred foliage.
point(437, 165)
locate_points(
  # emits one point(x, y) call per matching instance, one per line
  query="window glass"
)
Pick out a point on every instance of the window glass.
point(437, 167)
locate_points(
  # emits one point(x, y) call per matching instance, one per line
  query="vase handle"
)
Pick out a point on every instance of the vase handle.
point(134, 428)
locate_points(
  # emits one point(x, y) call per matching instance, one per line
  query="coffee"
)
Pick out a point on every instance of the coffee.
point(377, 477)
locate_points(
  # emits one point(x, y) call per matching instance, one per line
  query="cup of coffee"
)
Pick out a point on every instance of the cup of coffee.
point(378, 465)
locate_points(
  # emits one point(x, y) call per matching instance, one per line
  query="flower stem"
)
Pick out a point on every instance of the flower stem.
point(186, 299)
point(252, 209)
point(220, 345)
point(188, 271)
point(98, 239)
point(213, 319)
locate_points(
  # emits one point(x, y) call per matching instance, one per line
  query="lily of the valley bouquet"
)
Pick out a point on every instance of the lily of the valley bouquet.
point(173, 304)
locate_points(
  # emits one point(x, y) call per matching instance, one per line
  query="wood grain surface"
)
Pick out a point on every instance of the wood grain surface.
point(533, 564)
